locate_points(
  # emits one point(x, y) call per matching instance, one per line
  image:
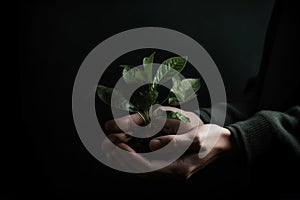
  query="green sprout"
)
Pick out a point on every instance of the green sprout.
point(146, 96)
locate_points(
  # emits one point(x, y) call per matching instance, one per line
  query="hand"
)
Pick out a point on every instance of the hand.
point(170, 126)
point(211, 140)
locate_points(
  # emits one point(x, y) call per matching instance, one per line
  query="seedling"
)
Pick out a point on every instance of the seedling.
point(146, 96)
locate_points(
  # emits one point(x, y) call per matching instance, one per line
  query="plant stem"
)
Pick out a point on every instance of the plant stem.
point(164, 100)
point(144, 117)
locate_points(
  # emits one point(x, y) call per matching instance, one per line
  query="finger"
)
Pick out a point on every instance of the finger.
point(110, 142)
point(160, 142)
point(117, 138)
point(126, 147)
point(190, 139)
point(116, 156)
point(123, 124)
point(136, 161)
point(107, 146)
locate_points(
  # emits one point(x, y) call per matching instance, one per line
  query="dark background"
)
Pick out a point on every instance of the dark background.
point(56, 36)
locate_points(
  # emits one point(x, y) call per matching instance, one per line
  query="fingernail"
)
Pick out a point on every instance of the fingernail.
point(155, 144)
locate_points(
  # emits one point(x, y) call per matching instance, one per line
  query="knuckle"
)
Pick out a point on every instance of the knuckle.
point(197, 140)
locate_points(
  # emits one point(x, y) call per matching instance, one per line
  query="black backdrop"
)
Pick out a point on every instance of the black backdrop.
point(54, 39)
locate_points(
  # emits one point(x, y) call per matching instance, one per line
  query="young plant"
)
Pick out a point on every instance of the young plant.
point(147, 95)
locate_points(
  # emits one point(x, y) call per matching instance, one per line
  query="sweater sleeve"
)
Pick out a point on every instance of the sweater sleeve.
point(258, 135)
point(233, 113)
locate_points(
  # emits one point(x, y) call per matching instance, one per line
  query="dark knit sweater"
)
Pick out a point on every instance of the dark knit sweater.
point(268, 121)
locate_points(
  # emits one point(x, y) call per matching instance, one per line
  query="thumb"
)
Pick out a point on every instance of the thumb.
point(159, 142)
point(123, 124)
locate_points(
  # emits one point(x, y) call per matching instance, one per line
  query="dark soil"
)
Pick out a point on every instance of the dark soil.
point(141, 145)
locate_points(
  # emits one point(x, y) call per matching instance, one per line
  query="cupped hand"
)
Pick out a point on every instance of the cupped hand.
point(208, 142)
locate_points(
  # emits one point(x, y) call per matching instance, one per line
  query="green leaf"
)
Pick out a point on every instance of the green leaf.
point(132, 75)
point(147, 62)
point(165, 72)
point(120, 102)
point(183, 90)
point(144, 98)
point(148, 98)
point(173, 101)
point(171, 115)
